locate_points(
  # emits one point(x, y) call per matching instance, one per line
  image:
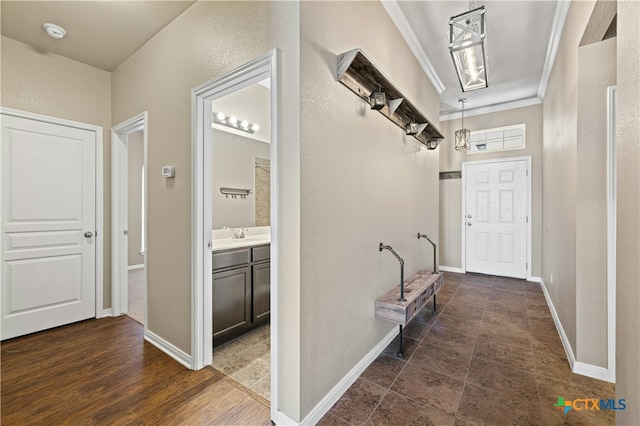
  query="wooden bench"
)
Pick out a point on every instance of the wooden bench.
point(417, 291)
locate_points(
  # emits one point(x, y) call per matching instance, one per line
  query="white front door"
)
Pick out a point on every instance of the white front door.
point(495, 218)
point(48, 222)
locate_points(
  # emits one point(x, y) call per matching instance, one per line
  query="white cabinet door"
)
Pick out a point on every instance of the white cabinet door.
point(496, 218)
point(48, 242)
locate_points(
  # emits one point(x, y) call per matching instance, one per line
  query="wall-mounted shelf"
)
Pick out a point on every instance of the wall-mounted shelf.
point(235, 192)
point(355, 71)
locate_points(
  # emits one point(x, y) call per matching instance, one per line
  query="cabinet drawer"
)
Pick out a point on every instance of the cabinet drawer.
point(226, 259)
point(261, 253)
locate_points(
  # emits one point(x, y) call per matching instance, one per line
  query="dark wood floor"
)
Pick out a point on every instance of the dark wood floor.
point(103, 372)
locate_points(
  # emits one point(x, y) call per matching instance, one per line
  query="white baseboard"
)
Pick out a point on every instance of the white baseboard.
point(338, 390)
point(535, 279)
point(577, 367)
point(105, 313)
point(563, 336)
point(281, 419)
point(168, 348)
point(450, 269)
point(593, 371)
point(132, 267)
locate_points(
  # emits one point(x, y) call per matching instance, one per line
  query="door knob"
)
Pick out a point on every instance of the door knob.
point(468, 223)
point(88, 234)
point(469, 216)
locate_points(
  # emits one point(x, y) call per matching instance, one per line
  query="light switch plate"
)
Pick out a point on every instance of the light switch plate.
point(168, 171)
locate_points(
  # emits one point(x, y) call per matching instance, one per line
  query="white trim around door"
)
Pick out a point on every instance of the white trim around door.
point(99, 236)
point(611, 233)
point(528, 208)
point(201, 282)
point(119, 211)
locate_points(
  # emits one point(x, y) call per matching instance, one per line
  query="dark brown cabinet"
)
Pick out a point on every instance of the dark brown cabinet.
point(241, 291)
point(231, 302)
point(261, 292)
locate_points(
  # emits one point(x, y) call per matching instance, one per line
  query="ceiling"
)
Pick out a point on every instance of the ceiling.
point(520, 34)
point(102, 34)
point(521, 38)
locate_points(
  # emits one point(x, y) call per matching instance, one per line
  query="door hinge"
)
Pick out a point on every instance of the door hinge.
point(527, 172)
point(527, 219)
point(527, 266)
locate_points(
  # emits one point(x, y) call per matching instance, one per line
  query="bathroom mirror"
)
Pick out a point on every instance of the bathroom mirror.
point(241, 132)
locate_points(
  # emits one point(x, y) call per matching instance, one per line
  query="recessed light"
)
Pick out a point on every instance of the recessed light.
point(54, 30)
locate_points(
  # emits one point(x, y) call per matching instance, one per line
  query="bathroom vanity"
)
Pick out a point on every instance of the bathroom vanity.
point(241, 288)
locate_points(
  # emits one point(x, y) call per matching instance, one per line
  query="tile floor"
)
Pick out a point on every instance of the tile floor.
point(490, 355)
point(247, 360)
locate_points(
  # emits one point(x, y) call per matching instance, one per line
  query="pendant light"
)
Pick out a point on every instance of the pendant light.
point(463, 136)
point(468, 48)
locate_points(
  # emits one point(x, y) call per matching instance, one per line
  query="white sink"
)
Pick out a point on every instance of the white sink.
point(248, 241)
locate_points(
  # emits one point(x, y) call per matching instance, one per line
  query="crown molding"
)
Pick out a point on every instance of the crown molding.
point(559, 18)
point(400, 20)
point(492, 108)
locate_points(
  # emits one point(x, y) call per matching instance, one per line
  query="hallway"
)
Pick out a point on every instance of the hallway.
point(491, 355)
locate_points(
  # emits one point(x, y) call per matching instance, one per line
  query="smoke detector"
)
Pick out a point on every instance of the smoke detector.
point(55, 31)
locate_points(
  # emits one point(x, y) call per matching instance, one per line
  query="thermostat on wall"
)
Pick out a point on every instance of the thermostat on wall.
point(168, 171)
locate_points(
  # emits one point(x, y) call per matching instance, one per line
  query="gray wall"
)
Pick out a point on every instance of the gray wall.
point(206, 41)
point(362, 182)
point(233, 162)
point(596, 71)
point(628, 235)
point(559, 182)
point(451, 189)
point(49, 84)
point(134, 204)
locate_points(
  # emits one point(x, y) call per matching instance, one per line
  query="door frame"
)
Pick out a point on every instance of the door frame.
point(611, 232)
point(99, 212)
point(528, 208)
point(119, 211)
point(265, 66)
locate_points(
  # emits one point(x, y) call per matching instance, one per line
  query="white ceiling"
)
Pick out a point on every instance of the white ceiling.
point(102, 34)
point(520, 38)
point(519, 34)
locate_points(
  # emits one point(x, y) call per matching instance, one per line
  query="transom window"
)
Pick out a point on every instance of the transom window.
point(498, 139)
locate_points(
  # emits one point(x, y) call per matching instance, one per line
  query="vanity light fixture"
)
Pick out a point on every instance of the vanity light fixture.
point(54, 31)
point(468, 47)
point(233, 122)
point(463, 136)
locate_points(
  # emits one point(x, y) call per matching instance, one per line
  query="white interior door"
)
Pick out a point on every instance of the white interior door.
point(495, 218)
point(48, 221)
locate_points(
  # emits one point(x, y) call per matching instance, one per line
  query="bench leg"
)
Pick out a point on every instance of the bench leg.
point(399, 354)
point(434, 303)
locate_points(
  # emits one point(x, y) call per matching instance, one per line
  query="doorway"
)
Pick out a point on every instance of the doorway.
point(129, 218)
point(203, 98)
point(497, 217)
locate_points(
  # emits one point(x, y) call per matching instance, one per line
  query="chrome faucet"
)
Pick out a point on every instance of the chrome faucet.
point(238, 233)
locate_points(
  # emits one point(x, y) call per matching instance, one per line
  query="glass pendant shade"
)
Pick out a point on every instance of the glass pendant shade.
point(468, 48)
point(463, 140)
